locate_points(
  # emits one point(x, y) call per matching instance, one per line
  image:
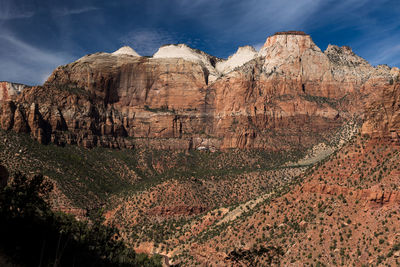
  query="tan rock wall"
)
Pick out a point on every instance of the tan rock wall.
point(286, 97)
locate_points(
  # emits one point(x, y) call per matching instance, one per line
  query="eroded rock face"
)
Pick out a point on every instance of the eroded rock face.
point(9, 91)
point(242, 56)
point(289, 94)
point(185, 52)
point(102, 99)
point(292, 92)
point(373, 197)
point(383, 113)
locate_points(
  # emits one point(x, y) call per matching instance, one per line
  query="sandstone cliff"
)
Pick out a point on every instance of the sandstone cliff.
point(288, 94)
point(383, 111)
point(9, 91)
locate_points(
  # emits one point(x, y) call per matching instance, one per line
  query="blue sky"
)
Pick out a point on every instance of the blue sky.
point(36, 36)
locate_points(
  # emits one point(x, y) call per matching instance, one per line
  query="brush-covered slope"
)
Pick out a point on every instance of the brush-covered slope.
point(341, 211)
point(245, 165)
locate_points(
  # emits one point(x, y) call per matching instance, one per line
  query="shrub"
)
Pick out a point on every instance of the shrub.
point(33, 235)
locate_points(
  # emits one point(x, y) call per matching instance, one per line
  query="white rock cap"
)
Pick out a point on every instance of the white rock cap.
point(180, 51)
point(187, 53)
point(243, 55)
point(126, 50)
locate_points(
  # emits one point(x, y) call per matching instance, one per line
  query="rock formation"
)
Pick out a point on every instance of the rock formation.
point(126, 50)
point(9, 91)
point(289, 94)
point(383, 111)
point(183, 51)
point(242, 56)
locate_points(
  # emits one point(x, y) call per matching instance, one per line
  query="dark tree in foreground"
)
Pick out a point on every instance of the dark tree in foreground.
point(3, 177)
point(33, 235)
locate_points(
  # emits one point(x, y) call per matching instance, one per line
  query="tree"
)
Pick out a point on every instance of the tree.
point(33, 235)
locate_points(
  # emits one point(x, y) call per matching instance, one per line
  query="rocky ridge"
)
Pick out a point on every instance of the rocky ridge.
point(338, 205)
point(284, 96)
point(242, 56)
point(126, 50)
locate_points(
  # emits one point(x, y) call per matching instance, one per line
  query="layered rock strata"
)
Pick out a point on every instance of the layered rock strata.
point(383, 111)
point(289, 94)
point(9, 91)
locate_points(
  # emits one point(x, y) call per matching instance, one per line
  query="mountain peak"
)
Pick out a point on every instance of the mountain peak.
point(293, 41)
point(291, 33)
point(126, 50)
point(292, 52)
point(190, 54)
point(344, 56)
point(243, 55)
point(179, 51)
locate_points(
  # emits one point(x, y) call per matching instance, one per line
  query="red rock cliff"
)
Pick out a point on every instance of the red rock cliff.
point(289, 94)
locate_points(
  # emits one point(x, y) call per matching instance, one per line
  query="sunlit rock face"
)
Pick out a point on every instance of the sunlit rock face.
point(183, 51)
point(9, 91)
point(289, 94)
point(242, 56)
point(126, 50)
point(382, 115)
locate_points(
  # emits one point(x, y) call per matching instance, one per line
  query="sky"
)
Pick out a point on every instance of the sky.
point(36, 36)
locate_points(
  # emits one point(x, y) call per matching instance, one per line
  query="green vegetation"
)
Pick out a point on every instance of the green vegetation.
point(92, 176)
point(320, 100)
point(161, 109)
point(85, 176)
point(33, 235)
point(257, 256)
point(72, 88)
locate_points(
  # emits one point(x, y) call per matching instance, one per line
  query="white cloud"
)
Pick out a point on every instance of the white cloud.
point(9, 10)
point(386, 51)
point(15, 15)
point(237, 23)
point(376, 38)
point(147, 41)
point(74, 11)
point(24, 63)
point(281, 14)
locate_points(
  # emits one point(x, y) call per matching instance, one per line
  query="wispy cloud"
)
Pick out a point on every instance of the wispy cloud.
point(384, 51)
point(370, 27)
point(15, 15)
point(147, 41)
point(74, 11)
point(389, 54)
point(232, 23)
point(374, 37)
point(10, 10)
point(252, 16)
point(280, 14)
point(22, 62)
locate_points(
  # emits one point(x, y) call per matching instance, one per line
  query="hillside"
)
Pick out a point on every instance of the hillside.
point(285, 156)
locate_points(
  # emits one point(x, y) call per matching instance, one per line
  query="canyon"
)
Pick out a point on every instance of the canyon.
point(283, 156)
